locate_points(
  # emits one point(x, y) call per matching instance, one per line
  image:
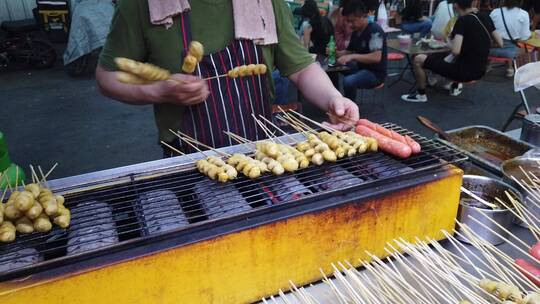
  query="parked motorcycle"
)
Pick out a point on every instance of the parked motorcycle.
point(18, 45)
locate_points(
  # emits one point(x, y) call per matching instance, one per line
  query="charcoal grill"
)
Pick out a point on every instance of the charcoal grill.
point(164, 215)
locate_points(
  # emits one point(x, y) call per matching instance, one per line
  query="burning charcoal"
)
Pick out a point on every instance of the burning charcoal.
point(285, 189)
point(219, 200)
point(336, 178)
point(92, 227)
point(162, 211)
point(19, 259)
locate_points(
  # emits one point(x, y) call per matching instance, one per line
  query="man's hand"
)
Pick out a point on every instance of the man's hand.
point(343, 60)
point(343, 113)
point(182, 89)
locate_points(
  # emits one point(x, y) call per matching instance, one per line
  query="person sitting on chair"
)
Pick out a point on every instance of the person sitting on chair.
point(317, 33)
point(469, 44)
point(413, 20)
point(366, 54)
point(512, 23)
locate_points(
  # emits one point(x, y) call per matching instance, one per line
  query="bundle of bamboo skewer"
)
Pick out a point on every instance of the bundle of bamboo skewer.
point(433, 273)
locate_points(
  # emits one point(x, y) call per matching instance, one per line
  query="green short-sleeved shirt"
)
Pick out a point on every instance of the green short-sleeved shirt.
point(133, 36)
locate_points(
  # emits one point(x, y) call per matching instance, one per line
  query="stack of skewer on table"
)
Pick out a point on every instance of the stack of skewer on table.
point(425, 271)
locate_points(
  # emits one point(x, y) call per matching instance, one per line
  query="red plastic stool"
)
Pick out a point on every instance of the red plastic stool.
point(393, 56)
point(499, 59)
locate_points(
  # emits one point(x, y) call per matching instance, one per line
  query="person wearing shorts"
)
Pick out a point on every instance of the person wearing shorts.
point(469, 43)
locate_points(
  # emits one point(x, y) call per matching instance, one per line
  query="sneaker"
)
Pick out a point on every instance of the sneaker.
point(414, 97)
point(457, 90)
point(509, 73)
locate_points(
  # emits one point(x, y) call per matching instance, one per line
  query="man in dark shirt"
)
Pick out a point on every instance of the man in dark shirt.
point(469, 45)
point(366, 53)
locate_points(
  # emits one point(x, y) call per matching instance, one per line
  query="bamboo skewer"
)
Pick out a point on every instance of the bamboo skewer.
point(476, 197)
point(510, 262)
point(277, 128)
point(519, 216)
point(35, 178)
point(50, 171)
point(184, 136)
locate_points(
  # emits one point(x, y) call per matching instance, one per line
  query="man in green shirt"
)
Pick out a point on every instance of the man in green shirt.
point(205, 108)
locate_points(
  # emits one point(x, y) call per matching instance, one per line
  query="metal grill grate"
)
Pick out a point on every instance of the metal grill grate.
point(109, 216)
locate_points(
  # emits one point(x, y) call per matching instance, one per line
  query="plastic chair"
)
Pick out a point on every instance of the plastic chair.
point(527, 74)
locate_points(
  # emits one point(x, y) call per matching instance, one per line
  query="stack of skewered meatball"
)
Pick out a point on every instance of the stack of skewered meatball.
point(279, 158)
point(33, 209)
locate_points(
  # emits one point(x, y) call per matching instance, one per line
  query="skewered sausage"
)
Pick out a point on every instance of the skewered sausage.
point(529, 270)
point(415, 147)
point(387, 144)
point(535, 251)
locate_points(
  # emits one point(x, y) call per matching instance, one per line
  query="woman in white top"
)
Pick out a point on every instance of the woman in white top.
point(512, 23)
point(443, 14)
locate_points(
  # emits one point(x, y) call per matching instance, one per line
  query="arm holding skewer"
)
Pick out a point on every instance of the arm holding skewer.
point(315, 85)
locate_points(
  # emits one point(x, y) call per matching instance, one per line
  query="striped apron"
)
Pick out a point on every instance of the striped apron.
point(231, 102)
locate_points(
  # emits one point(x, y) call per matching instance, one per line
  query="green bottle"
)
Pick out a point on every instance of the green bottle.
point(332, 51)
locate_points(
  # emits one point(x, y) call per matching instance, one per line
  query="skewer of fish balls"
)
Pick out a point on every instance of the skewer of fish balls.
point(358, 142)
point(28, 211)
point(206, 167)
point(194, 56)
point(247, 70)
point(268, 152)
point(134, 72)
point(276, 151)
point(213, 167)
point(315, 150)
point(250, 167)
point(303, 161)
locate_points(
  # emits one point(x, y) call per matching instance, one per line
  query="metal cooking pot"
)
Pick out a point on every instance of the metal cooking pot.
point(530, 163)
point(487, 188)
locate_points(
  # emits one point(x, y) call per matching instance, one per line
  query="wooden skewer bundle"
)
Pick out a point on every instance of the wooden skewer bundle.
point(430, 274)
point(433, 274)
